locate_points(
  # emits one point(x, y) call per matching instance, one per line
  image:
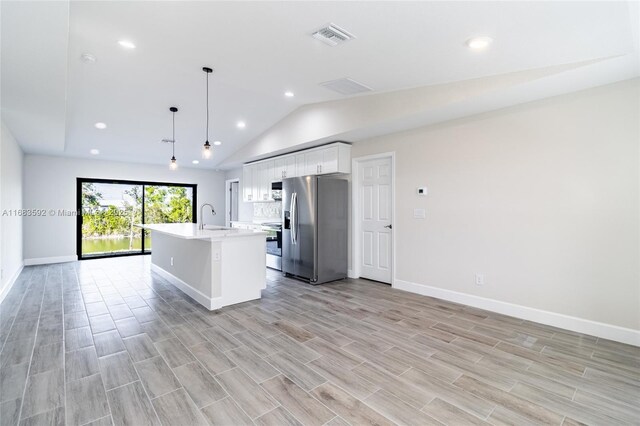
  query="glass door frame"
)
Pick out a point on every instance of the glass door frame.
point(80, 181)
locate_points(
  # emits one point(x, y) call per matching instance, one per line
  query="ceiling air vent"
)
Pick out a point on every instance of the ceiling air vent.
point(332, 35)
point(346, 86)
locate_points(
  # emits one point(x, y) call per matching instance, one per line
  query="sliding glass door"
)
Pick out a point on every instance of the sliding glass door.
point(167, 204)
point(109, 210)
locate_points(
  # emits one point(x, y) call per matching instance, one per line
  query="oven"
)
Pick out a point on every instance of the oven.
point(274, 244)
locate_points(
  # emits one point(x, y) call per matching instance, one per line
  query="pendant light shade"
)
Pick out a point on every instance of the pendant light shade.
point(206, 148)
point(173, 165)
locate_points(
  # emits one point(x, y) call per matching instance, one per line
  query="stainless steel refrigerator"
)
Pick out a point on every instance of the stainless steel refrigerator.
point(315, 225)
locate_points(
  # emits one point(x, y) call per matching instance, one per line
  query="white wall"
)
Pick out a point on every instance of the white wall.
point(50, 183)
point(543, 199)
point(11, 163)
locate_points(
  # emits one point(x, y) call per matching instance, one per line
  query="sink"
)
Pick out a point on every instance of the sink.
point(220, 228)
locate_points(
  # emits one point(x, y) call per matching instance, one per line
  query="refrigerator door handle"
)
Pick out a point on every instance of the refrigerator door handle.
point(294, 218)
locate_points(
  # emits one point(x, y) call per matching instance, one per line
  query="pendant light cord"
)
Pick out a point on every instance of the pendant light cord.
point(173, 144)
point(207, 139)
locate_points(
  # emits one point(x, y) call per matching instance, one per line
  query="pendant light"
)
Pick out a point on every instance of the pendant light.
point(173, 165)
point(206, 149)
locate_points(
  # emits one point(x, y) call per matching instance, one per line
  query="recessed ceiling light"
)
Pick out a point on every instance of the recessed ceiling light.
point(95, 151)
point(241, 124)
point(479, 43)
point(195, 162)
point(100, 125)
point(288, 94)
point(217, 143)
point(127, 44)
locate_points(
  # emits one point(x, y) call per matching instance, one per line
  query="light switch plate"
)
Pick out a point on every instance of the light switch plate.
point(419, 213)
point(422, 191)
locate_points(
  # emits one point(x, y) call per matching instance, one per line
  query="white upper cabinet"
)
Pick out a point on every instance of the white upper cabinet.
point(278, 167)
point(329, 160)
point(300, 165)
point(290, 166)
point(284, 167)
point(313, 162)
point(326, 160)
point(266, 176)
point(247, 183)
point(257, 177)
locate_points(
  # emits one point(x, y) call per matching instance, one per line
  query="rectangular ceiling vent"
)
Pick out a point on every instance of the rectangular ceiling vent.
point(346, 86)
point(332, 35)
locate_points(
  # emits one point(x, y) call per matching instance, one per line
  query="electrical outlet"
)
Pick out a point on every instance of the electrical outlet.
point(479, 279)
point(171, 261)
point(216, 256)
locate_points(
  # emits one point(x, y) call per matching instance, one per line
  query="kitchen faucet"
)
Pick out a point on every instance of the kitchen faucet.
point(213, 212)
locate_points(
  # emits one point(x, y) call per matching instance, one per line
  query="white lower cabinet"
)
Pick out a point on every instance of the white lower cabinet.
point(246, 225)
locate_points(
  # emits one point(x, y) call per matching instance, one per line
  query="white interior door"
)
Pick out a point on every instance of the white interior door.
point(233, 202)
point(376, 194)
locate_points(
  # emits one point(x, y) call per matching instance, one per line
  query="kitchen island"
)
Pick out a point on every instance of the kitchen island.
point(216, 266)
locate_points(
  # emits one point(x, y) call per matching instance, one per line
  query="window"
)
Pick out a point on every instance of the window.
point(110, 209)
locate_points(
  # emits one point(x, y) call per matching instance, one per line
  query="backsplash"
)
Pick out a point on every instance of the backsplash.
point(267, 210)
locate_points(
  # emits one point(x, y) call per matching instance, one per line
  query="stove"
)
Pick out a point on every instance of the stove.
point(274, 244)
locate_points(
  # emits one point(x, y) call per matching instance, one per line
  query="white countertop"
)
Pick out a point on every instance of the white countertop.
point(257, 222)
point(190, 231)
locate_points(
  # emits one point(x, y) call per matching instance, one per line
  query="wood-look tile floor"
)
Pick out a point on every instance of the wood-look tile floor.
point(106, 342)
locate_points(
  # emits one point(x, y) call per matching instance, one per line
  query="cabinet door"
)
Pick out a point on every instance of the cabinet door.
point(247, 183)
point(255, 182)
point(279, 168)
point(344, 158)
point(313, 162)
point(290, 166)
point(300, 165)
point(266, 177)
point(260, 182)
point(258, 185)
point(329, 160)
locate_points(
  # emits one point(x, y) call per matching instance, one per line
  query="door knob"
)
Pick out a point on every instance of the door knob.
point(388, 226)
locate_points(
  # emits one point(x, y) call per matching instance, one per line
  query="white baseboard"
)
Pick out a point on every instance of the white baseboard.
point(350, 274)
point(48, 260)
point(211, 303)
point(11, 282)
point(580, 325)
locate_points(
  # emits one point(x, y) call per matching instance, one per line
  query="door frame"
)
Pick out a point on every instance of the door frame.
point(356, 249)
point(227, 200)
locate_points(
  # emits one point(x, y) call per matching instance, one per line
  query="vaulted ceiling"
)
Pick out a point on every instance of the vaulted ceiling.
point(412, 54)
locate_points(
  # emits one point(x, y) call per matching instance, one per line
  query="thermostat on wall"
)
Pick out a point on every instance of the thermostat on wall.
point(422, 190)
